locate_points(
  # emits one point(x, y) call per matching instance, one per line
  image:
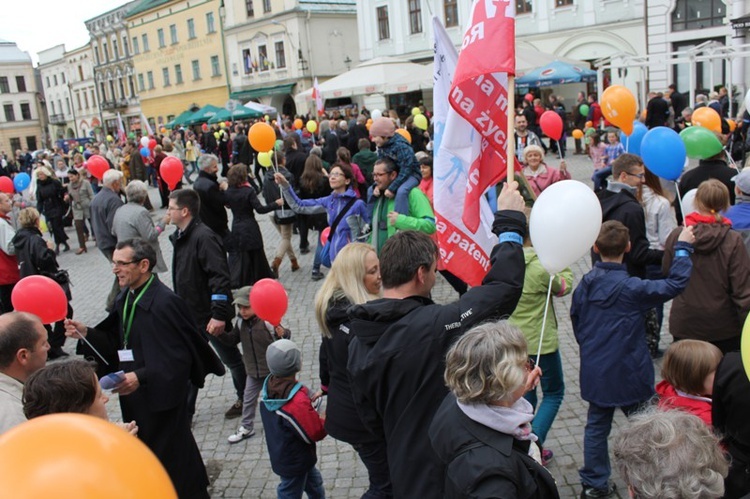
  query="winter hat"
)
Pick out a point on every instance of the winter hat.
point(283, 358)
point(383, 127)
point(242, 296)
point(742, 180)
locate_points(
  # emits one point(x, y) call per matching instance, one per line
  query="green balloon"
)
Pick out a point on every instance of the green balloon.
point(700, 143)
point(584, 110)
point(131, 135)
point(278, 145)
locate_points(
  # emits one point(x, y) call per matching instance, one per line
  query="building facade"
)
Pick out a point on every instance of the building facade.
point(275, 48)
point(53, 70)
point(114, 88)
point(21, 120)
point(82, 89)
point(178, 52)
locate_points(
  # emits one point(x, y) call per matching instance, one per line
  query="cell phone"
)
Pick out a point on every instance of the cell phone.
point(111, 380)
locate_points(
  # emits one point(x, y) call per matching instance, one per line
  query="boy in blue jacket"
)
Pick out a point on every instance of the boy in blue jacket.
point(609, 325)
point(291, 424)
point(394, 146)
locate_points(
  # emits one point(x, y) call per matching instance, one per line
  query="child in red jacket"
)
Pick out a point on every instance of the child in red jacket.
point(688, 371)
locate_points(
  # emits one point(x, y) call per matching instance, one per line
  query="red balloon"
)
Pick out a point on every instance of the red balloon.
point(552, 125)
point(228, 123)
point(204, 127)
point(325, 235)
point(41, 296)
point(97, 166)
point(269, 300)
point(529, 97)
point(171, 171)
point(6, 185)
point(152, 144)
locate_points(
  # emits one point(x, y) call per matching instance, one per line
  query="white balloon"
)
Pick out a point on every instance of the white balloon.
point(564, 224)
point(688, 202)
point(376, 113)
point(144, 141)
point(747, 101)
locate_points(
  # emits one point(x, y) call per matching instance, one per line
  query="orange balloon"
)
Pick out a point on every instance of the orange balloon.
point(589, 124)
point(298, 124)
point(76, 456)
point(619, 107)
point(262, 136)
point(707, 118)
point(732, 125)
point(405, 134)
point(577, 134)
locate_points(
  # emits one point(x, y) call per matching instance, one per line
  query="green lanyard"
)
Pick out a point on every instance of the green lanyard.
point(127, 319)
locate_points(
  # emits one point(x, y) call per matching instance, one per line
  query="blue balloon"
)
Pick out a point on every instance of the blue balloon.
point(663, 152)
point(632, 143)
point(145, 152)
point(21, 182)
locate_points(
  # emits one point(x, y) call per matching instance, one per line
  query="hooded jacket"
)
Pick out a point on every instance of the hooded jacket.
point(717, 299)
point(706, 169)
point(401, 152)
point(397, 360)
point(621, 205)
point(609, 325)
point(670, 399)
point(212, 210)
point(291, 425)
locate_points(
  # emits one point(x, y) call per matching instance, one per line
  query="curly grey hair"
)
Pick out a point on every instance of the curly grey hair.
point(207, 160)
point(670, 454)
point(136, 191)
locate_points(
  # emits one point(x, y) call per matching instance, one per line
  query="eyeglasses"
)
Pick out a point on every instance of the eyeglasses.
point(119, 263)
point(379, 174)
point(639, 175)
point(336, 174)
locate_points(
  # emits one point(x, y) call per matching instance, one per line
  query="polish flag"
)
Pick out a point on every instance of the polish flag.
point(318, 98)
point(121, 136)
point(145, 125)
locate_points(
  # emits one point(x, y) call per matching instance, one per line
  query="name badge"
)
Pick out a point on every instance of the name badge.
point(125, 355)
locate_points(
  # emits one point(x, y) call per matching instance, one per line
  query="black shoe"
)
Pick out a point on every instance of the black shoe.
point(56, 353)
point(66, 247)
point(235, 411)
point(588, 492)
point(304, 251)
point(317, 275)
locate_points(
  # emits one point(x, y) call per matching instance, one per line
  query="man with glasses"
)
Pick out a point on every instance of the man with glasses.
point(103, 208)
point(619, 202)
point(151, 336)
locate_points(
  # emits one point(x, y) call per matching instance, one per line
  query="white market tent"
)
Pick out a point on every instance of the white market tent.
point(261, 108)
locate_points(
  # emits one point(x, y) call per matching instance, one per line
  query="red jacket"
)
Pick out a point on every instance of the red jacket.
point(670, 399)
point(8, 263)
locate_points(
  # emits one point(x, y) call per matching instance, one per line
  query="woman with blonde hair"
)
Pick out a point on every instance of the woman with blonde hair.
point(354, 279)
point(716, 301)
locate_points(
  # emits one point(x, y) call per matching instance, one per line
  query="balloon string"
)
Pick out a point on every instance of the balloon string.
point(92, 348)
point(627, 143)
point(679, 199)
point(281, 190)
point(544, 319)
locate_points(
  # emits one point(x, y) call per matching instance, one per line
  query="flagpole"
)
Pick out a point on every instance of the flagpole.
point(511, 141)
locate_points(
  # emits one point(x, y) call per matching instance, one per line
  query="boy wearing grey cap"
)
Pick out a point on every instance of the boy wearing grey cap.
point(255, 335)
point(291, 424)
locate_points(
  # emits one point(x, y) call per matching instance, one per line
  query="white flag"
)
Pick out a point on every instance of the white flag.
point(145, 125)
point(318, 98)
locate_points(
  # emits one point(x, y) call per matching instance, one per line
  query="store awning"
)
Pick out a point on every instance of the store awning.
point(262, 92)
point(202, 115)
point(241, 113)
point(741, 22)
point(180, 120)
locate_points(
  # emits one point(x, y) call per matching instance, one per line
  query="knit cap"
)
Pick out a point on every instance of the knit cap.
point(383, 127)
point(283, 358)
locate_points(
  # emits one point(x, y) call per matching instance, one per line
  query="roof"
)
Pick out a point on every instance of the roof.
point(145, 5)
point(110, 11)
point(9, 52)
point(328, 5)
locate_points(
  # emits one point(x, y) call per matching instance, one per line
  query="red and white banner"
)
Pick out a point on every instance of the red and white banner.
point(121, 137)
point(318, 98)
point(471, 120)
point(146, 126)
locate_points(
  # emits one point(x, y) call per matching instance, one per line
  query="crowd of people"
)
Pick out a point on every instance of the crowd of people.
point(437, 400)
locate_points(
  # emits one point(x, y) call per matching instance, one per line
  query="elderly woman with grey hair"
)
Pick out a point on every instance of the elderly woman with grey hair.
point(482, 430)
point(132, 220)
point(670, 455)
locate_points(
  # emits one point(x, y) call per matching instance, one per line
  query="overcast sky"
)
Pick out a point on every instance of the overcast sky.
point(37, 25)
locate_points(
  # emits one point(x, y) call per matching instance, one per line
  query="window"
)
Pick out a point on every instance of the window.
point(15, 143)
point(112, 94)
point(78, 101)
point(210, 27)
point(173, 33)
point(384, 32)
point(106, 51)
point(698, 14)
point(160, 36)
point(144, 39)
point(93, 99)
point(10, 114)
point(247, 61)
point(125, 47)
point(215, 68)
point(115, 50)
point(67, 105)
point(31, 143)
point(191, 29)
point(523, 7)
point(415, 16)
point(266, 6)
point(103, 90)
point(121, 84)
point(5, 88)
point(62, 79)
point(96, 54)
point(280, 56)
point(249, 7)
point(6, 81)
point(131, 84)
point(263, 58)
point(450, 7)
point(196, 70)
point(178, 74)
point(54, 79)
point(80, 73)
point(141, 84)
point(136, 48)
point(25, 111)
point(150, 78)
point(53, 106)
point(86, 100)
point(563, 3)
point(165, 75)
point(21, 83)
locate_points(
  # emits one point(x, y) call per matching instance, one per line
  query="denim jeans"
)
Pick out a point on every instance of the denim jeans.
point(318, 254)
point(402, 195)
point(375, 459)
point(596, 468)
point(600, 176)
point(553, 391)
point(291, 487)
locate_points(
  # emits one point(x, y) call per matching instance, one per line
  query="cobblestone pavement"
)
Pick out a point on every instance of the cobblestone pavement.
point(242, 470)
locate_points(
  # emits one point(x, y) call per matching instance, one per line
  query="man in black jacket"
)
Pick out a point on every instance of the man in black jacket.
point(200, 276)
point(396, 357)
point(295, 159)
point(212, 210)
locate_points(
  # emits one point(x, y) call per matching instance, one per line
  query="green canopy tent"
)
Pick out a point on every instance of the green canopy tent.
point(180, 120)
point(203, 115)
point(241, 113)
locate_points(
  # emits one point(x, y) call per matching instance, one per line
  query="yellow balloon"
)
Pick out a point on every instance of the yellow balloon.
point(216, 134)
point(404, 134)
point(420, 121)
point(311, 126)
point(110, 138)
point(222, 124)
point(76, 456)
point(415, 111)
point(577, 134)
point(264, 159)
point(745, 346)
point(619, 107)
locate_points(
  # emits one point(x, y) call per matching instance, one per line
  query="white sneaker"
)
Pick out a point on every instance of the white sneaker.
point(242, 434)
